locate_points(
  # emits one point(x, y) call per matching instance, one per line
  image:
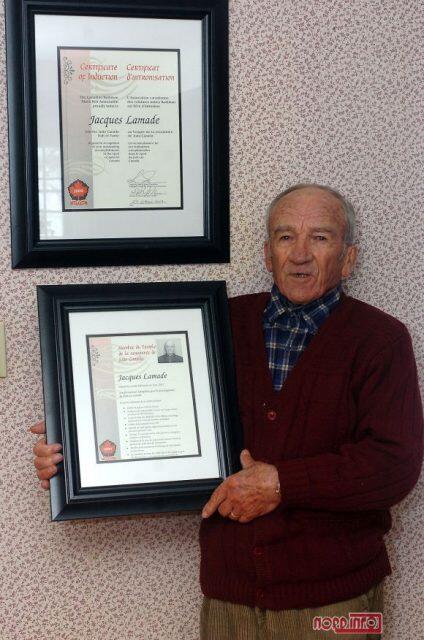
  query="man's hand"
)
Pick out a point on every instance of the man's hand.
point(47, 456)
point(248, 494)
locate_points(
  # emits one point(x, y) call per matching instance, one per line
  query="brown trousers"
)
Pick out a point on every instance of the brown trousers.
point(226, 621)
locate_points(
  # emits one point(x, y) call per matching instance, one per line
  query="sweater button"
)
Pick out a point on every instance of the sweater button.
point(271, 415)
point(258, 552)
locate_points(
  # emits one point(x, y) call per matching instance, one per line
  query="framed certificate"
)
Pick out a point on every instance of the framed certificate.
point(128, 136)
point(139, 389)
point(118, 131)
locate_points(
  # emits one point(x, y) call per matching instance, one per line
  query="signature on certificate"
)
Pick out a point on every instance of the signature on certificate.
point(145, 191)
point(142, 178)
point(142, 186)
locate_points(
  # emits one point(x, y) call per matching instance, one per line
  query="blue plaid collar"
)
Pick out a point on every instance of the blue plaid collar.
point(313, 313)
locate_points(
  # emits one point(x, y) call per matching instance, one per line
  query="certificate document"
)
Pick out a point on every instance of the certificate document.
point(142, 396)
point(120, 129)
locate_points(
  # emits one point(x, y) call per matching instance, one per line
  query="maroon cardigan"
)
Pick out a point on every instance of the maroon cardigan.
point(345, 433)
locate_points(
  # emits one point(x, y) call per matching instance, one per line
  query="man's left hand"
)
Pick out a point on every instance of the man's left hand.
point(248, 494)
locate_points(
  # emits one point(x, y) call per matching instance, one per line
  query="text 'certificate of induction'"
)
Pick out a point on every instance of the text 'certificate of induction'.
point(120, 129)
point(142, 396)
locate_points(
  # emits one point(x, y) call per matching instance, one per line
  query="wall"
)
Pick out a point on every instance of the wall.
point(323, 90)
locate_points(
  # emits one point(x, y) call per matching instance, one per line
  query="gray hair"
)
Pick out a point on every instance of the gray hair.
point(347, 208)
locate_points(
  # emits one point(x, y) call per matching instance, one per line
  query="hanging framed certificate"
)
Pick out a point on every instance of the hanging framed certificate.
point(118, 129)
point(139, 390)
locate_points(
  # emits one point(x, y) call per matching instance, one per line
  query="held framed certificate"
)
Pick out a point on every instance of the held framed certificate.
point(118, 130)
point(139, 389)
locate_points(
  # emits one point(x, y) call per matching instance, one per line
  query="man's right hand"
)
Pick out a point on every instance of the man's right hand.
point(47, 456)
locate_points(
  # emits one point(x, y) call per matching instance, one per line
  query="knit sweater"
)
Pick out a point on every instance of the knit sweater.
point(345, 433)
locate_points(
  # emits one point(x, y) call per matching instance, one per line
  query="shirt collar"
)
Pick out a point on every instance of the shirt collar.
point(314, 312)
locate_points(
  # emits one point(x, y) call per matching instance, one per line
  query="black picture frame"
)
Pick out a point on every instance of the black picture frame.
point(56, 304)
point(28, 249)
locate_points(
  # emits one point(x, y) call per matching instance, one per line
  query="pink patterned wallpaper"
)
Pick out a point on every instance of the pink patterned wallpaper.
point(322, 91)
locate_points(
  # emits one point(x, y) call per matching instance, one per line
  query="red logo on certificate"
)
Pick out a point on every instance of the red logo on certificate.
point(78, 191)
point(107, 449)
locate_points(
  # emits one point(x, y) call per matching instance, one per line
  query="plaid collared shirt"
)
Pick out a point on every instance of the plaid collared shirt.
point(288, 329)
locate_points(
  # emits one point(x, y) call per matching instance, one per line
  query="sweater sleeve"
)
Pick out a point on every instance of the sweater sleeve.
point(383, 464)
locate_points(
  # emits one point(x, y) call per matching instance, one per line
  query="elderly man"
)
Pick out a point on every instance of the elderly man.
point(169, 354)
point(332, 422)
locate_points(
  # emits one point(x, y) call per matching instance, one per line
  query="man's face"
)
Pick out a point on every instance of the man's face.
point(306, 252)
point(169, 348)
